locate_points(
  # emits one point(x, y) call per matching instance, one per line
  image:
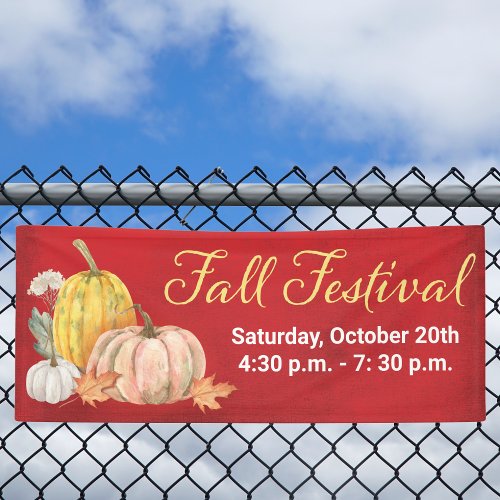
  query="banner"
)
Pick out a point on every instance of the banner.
point(132, 325)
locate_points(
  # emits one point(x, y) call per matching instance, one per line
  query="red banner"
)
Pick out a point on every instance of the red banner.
point(131, 325)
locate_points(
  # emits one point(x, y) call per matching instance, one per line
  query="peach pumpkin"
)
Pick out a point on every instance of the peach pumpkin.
point(157, 364)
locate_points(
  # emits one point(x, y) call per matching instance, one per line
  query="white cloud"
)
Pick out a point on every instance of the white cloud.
point(422, 73)
point(84, 54)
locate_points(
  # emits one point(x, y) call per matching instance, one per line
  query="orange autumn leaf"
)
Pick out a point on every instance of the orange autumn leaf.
point(91, 388)
point(204, 392)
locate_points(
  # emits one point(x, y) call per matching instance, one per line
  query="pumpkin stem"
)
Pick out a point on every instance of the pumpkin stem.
point(53, 360)
point(149, 330)
point(84, 250)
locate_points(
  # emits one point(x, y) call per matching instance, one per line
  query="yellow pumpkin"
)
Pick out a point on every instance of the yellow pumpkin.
point(87, 305)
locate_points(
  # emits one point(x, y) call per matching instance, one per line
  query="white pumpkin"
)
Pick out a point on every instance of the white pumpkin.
point(52, 384)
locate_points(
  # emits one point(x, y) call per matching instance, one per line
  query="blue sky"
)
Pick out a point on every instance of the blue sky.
point(198, 115)
point(206, 84)
point(238, 84)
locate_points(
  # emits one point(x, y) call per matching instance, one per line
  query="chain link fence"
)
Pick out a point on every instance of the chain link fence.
point(231, 461)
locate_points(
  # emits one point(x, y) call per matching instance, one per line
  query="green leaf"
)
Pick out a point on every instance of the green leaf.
point(36, 325)
point(40, 326)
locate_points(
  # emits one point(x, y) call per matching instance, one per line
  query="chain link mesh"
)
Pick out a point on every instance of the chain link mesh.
point(230, 461)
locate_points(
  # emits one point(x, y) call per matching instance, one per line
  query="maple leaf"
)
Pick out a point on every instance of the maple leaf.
point(91, 388)
point(204, 392)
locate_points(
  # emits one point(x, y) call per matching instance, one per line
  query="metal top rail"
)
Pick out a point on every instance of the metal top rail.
point(249, 194)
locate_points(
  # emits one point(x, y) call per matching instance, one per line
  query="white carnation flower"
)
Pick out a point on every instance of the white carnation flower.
point(50, 279)
point(54, 279)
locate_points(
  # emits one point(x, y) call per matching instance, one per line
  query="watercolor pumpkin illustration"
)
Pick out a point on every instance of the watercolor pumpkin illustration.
point(51, 381)
point(87, 306)
point(157, 364)
point(95, 351)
